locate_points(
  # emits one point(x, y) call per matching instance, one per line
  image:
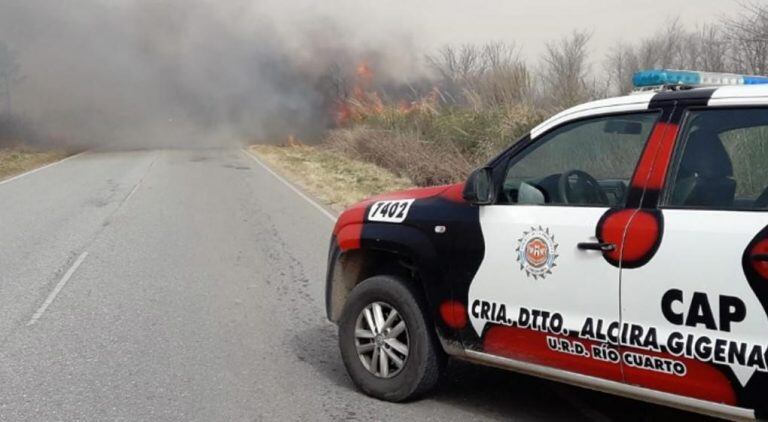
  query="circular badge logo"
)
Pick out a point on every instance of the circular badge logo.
point(537, 252)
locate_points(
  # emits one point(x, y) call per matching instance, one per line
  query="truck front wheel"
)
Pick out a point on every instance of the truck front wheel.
point(388, 345)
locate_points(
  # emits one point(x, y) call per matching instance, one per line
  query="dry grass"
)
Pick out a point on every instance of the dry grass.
point(333, 178)
point(422, 162)
point(17, 160)
point(432, 146)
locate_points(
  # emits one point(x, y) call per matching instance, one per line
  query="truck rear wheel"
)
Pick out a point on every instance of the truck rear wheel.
point(388, 345)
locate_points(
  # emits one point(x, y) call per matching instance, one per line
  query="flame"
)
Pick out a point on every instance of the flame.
point(364, 101)
point(364, 71)
point(342, 113)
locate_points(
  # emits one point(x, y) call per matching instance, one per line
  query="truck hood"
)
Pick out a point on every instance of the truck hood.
point(356, 213)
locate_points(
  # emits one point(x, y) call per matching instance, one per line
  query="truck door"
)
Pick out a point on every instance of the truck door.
point(544, 277)
point(698, 306)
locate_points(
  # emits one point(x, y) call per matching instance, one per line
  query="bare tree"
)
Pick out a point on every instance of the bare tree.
point(667, 48)
point(705, 48)
point(456, 67)
point(747, 36)
point(456, 64)
point(334, 84)
point(565, 69)
point(672, 46)
point(505, 79)
point(709, 49)
point(620, 64)
point(9, 73)
point(490, 76)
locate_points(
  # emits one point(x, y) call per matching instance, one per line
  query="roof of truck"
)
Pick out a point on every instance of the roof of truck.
point(731, 95)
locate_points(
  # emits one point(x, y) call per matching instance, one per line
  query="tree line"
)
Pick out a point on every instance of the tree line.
point(565, 75)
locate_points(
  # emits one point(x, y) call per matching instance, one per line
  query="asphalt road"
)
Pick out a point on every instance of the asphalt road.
point(188, 285)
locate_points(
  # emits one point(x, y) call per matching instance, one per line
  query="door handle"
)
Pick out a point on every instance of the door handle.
point(596, 246)
point(760, 257)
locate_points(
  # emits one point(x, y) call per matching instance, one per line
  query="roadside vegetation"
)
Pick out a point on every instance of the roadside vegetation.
point(20, 148)
point(20, 159)
point(332, 178)
point(479, 99)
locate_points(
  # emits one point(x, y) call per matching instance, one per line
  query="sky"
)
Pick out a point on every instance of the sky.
point(432, 23)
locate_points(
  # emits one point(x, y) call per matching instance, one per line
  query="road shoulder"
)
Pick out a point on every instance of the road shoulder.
point(331, 178)
point(17, 161)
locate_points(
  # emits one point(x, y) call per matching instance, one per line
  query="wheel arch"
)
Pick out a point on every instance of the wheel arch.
point(399, 251)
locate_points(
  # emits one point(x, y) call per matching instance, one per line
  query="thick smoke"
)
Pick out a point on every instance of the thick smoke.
point(196, 73)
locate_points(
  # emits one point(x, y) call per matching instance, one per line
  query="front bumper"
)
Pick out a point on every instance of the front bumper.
point(333, 258)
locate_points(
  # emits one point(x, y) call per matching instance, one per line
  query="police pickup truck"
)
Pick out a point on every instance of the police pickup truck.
point(621, 245)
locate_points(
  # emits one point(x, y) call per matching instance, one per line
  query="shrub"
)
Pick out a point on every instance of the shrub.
point(432, 146)
point(423, 163)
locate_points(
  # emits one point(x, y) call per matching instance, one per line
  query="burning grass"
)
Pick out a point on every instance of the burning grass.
point(15, 160)
point(333, 178)
point(438, 135)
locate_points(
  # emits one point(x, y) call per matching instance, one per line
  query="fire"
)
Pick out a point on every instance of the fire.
point(365, 101)
point(342, 113)
point(405, 106)
point(364, 71)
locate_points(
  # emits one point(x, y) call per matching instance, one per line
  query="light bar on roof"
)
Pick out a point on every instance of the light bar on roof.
point(661, 77)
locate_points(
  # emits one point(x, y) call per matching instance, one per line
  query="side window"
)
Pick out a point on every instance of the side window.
point(722, 161)
point(589, 162)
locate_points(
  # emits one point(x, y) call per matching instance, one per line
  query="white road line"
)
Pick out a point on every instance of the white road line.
point(293, 188)
point(135, 188)
point(583, 407)
point(19, 176)
point(60, 285)
point(130, 194)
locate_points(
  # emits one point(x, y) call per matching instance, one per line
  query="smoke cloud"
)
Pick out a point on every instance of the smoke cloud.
point(190, 73)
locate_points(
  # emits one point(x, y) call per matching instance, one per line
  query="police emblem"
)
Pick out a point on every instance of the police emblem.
point(537, 252)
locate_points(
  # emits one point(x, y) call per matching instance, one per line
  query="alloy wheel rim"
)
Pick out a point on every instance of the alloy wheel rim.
point(381, 339)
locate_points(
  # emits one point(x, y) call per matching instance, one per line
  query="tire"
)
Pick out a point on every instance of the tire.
point(425, 358)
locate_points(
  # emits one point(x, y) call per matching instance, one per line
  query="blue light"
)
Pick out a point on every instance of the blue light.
point(661, 77)
point(665, 77)
point(755, 80)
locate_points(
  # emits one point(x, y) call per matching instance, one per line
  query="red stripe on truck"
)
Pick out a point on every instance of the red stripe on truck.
point(652, 168)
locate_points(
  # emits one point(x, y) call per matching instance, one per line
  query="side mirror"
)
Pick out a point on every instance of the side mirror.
point(479, 187)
